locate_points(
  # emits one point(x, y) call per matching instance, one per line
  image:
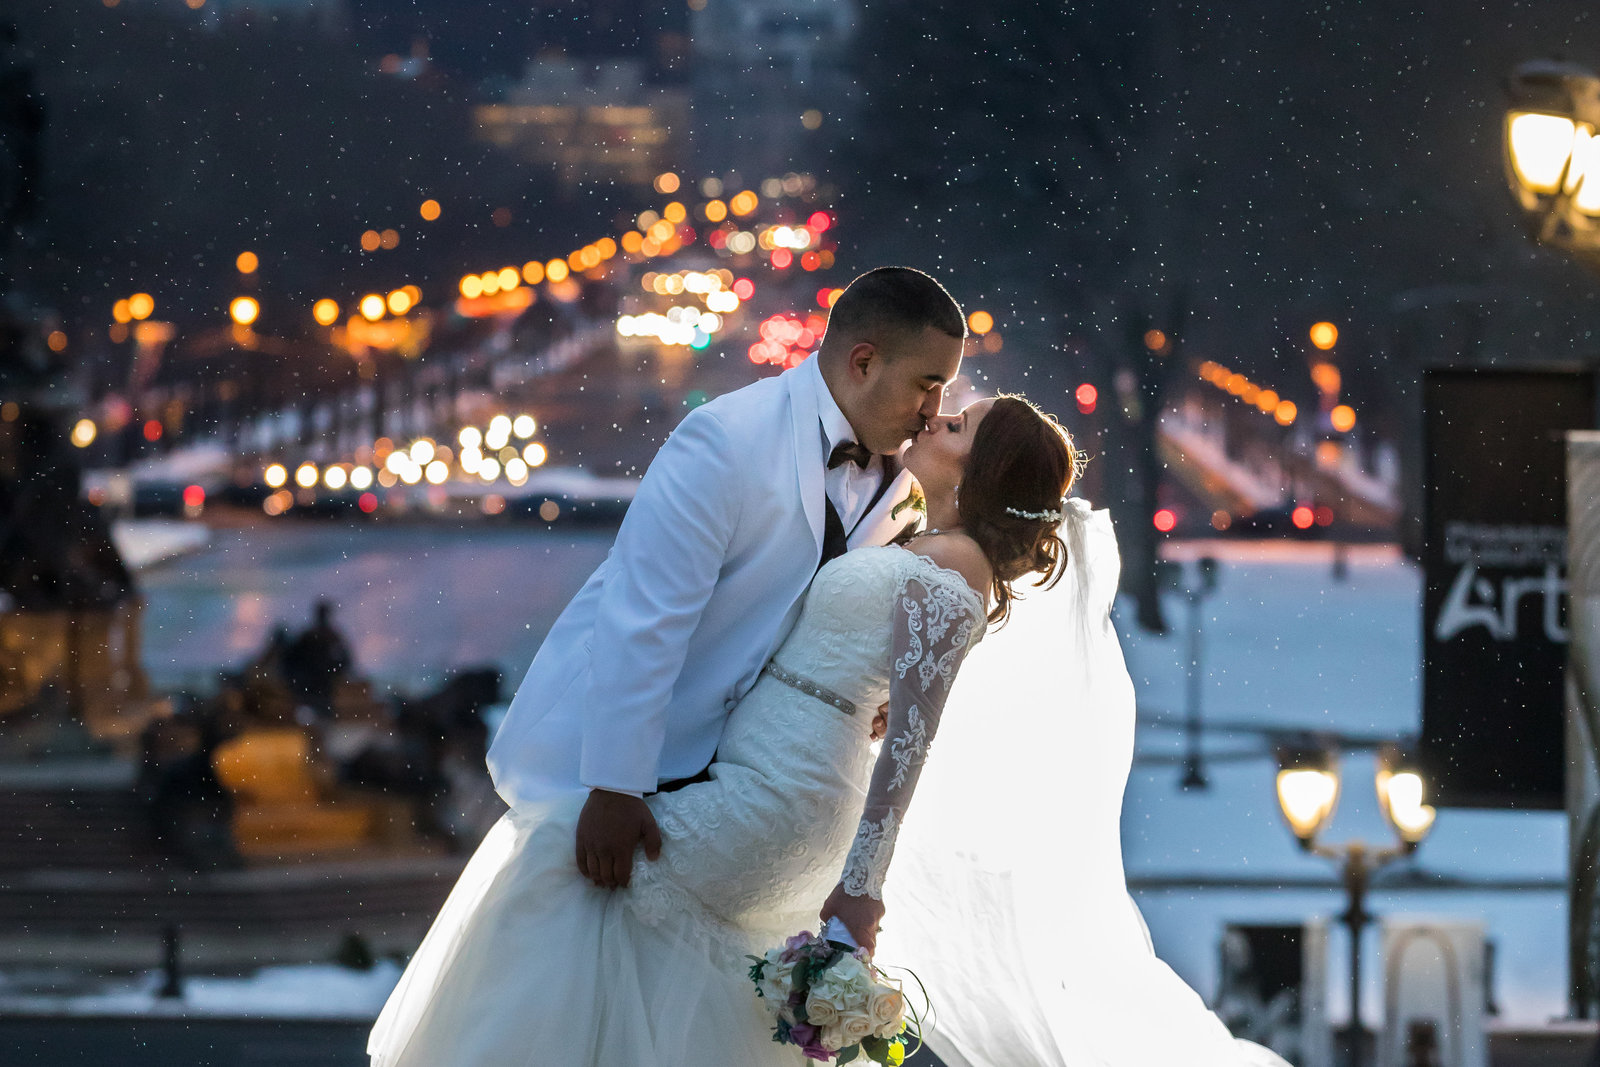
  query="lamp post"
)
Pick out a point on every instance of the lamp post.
point(1552, 159)
point(1552, 154)
point(1308, 793)
point(1205, 583)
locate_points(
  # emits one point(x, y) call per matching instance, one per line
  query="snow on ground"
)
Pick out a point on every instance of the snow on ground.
point(312, 991)
point(1285, 646)
point(145, 542)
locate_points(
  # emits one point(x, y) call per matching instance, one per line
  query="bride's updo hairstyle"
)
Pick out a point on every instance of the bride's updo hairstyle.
point(1023, 460)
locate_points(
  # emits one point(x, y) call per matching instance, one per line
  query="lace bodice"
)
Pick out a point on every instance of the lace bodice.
point(885, 623)
point(764, 842)
point(844, 639)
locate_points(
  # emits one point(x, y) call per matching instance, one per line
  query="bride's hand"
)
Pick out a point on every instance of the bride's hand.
point(860, 915)
point(880, 722)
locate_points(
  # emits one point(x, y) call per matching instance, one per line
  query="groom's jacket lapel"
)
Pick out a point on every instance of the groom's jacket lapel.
point(881, 525)
point(891, 471)
point(806, 426)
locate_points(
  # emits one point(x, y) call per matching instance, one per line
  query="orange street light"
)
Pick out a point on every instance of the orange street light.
point(244, 310)
point(325, 311)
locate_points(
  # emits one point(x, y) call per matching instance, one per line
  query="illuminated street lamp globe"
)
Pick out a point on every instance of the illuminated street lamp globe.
point(1552, 156)
point(1308, 793)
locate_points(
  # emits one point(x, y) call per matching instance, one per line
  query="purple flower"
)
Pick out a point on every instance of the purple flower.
point(816, 1052)
point(802, 1033)
point(798, 941)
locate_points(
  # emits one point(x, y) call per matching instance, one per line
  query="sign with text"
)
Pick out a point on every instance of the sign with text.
point(1494, 641)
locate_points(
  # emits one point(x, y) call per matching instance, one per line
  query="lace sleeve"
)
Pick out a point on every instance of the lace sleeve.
point(936, 618)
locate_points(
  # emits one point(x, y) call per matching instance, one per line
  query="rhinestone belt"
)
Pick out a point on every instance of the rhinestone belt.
point(808, 687)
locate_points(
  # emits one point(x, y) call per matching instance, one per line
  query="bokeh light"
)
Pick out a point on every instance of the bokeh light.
point(244, 310)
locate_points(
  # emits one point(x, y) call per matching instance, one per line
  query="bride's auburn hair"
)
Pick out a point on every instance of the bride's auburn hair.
point(1022, 459)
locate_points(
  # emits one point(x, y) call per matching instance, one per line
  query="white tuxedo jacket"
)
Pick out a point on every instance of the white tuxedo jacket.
point(636, 678)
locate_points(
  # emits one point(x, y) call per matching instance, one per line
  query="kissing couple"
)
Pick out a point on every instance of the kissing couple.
point(689, 762)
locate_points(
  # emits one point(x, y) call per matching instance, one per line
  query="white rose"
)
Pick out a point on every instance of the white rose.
point(886, 1007)
point(855, 1025)
point(820, 1011)
point(833, 1038)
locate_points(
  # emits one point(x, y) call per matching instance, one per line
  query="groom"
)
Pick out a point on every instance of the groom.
point(748, 497)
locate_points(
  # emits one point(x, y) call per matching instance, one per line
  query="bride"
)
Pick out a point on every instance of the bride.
point(1008, 892)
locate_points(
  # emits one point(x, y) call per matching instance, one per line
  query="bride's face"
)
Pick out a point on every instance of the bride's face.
point(938, 454)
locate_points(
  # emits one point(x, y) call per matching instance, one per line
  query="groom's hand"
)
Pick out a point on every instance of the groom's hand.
point(610, 827)
point(860, 916)
point(880, 722)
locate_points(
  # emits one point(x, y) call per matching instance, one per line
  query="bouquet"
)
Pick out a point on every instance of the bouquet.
point(830, 1000)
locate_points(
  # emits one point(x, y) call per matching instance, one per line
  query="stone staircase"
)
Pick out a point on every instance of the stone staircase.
point(89, 819)
point(82, 883)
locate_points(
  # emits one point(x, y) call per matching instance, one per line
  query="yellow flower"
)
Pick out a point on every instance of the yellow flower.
point(914, 500)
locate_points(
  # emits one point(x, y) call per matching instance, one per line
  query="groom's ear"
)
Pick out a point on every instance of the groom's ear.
point(863, 355)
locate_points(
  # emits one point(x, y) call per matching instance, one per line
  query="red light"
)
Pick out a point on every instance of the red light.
point(152, 430)
point(818, 221)
point(686, 234)
point(1324, 515)
point(717, 239)
point(1165, 520)
point(1303, 517)
point(744, 288)
point(810, 261)
point(782, 258)
point(822, 296)
point(193, 496)
point(1087, 397)
point(368, 502)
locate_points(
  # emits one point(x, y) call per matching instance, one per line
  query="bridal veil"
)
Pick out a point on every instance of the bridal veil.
point(1007, 896)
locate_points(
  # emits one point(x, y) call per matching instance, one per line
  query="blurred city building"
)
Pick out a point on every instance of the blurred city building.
point(591, 122)
point(768, 77)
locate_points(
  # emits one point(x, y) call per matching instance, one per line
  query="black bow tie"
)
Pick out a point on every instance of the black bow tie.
point(850, 452)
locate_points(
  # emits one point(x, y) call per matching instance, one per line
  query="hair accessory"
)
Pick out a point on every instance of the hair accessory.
point(1052, 516)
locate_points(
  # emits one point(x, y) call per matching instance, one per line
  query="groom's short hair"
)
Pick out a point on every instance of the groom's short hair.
point(891, 300)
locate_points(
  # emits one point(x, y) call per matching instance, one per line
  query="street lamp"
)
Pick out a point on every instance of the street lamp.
point(1552, 154)
point(1308, 793)
point(1205, 583)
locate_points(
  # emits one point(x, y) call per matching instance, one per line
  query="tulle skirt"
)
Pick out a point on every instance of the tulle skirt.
point(530, 964)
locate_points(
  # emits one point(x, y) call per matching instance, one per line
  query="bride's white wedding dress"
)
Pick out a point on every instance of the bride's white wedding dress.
point(1028, 960)
point(530, 964)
